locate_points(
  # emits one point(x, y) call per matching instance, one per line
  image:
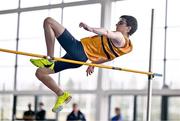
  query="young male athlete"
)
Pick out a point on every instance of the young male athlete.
point(103, 47)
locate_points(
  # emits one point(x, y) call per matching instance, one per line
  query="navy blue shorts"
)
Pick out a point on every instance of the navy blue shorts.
point(74, 51)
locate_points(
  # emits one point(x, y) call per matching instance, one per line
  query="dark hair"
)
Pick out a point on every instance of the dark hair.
point(132, 22)
point(75, 104)
point(117, 109)
point(41, 103)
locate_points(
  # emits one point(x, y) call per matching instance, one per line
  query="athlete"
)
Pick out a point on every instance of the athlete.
point(104, 46)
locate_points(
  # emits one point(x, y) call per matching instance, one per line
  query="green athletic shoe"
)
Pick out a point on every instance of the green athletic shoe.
point(42, 63)
point(61, 100)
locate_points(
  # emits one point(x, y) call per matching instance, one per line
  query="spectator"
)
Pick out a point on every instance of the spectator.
point(118, 116)
point(41, 113)
point(76, 114)
point(29, 115)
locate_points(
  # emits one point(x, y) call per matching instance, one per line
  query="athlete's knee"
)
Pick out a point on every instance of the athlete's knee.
point(48, 21)
point(40, 73)
point(56, 27)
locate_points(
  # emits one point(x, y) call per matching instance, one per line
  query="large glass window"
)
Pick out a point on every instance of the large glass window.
point(125, 103)
point(8, 25)
point(5, 4)
point(138, 59)
point(174, 114)
point(142, 108)
point(173, 56)
point(157, 67)
point(86, 104)
point(76, 78)
point(68, 1)
point(8, 30)
point(32, 32)
point(6, 102)
point(24, 101)
point(7, 78)
point(172, 72)
point(22, 105)
point(48, 102)
point(33, 3)
point(158, 54)
point(90, 16)
point(7, 65)
point(173, 16)
point(173, 44)
point(32, 40)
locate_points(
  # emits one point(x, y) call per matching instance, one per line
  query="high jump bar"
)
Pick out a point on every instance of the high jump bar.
point(79, 62)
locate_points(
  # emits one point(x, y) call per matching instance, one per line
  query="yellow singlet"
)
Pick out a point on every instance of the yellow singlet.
point(101, 47)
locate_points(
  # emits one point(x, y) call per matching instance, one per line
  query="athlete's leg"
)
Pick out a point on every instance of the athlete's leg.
point(52, 30)
point(71, 45)
point(62, 96)
point(43, 75)
point(75, 51)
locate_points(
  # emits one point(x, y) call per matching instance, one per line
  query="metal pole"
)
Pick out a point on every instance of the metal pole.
point(16, 65)
point(165, 44)
point(149, 95)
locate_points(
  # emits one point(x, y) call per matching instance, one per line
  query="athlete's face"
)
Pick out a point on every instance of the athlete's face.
point(122, 26)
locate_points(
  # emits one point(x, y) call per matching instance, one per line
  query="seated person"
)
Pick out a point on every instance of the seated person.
point(118, 116)
point(29, 115)
point(41, 113)
point(76, 114)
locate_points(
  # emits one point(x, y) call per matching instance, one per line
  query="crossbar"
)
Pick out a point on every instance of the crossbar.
point(80, 62)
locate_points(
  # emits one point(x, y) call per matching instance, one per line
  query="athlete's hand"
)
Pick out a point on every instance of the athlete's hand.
point(90, 70)
point(85, 26)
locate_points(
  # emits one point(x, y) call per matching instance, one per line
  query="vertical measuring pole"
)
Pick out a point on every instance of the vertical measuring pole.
point(149, 93)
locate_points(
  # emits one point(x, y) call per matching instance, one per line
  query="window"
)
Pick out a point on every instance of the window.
point(22, 105)
point(8, 27)
point(9, 4)
point(76, 78)
point(8, 32)
point(142, 108)
point(48, 102)
point(32, 40)
point(31, 30)
point(172, 73)
point(138, 59)
point(7, 78)
point(86, 104)
point(125, 103)
point(173, 16)
point(173, 44)
point(33, 3)
point(173, 56)
point(173, 113)
point(6, 102)
point(68, 1)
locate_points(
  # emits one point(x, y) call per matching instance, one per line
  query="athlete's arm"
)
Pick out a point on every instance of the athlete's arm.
point(90, 69)
point(116, 37)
